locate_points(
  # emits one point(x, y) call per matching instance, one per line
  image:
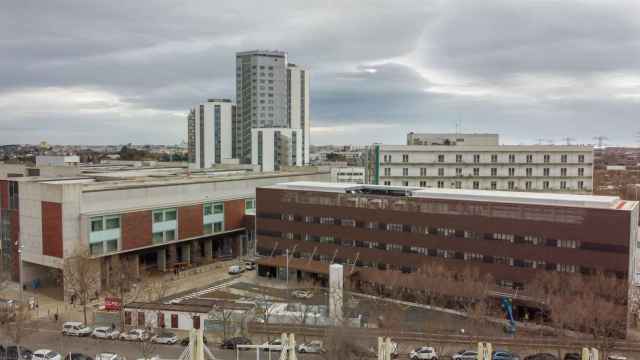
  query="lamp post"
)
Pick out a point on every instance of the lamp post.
point(20, 291)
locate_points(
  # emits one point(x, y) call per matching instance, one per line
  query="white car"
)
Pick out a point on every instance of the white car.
point(423, 353)
point(109, 356)
point(75, 328)
point(165, 338)
point(46, 354)
point(274, 345)
point(465, 355)
point(302, 294)
point(235, 269)
point(313, 347)
point(134, 335)
point(105, 332)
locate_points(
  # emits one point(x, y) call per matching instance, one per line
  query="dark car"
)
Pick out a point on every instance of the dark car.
point(572, 356)
point(11, 353)
point(185, 340)
point(541, 356)
point(504, 355)
point(77, 356)
point(234, 342)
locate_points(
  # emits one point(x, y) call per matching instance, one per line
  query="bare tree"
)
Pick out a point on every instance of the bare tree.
point(124, 283)
point(224, 317)
point(79, 273)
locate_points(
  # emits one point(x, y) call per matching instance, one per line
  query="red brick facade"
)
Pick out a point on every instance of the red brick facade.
point(233, 214)
point(4, 194)
point(52, 229)
point(190, 221)
point(136, 229)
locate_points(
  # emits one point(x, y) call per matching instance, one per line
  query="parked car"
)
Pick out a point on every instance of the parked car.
point(235, 270)
point(274, 345)
point(105, 332)
point(12, 351)
point(77, 356)
point(134, 335)
point(185, 340)
point(46, 354)
point(616, 357)
point(465, 355)
point(312, 347)
point(572, 356)
point(302, 294)
point(75, 328)
point(109, 356)
point(425, 352)
point(233, 342)
point(504, 355)
point(541, 356)
point(165, 338)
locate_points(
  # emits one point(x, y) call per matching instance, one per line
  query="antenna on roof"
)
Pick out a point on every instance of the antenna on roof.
point(600, 139)
point(568, 140)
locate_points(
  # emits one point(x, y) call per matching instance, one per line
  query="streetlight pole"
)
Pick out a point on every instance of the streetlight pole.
point(287, 265)
point(20, 291)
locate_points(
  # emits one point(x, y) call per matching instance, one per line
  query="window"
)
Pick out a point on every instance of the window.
point(476, 171)
point(565, 268)
point(476, 185)
point(423, 184)
point(158, 237)
point(547, 158)
point(348, 222)
point(458, 158)
point(494, 158)
point(423, 171)
point(563, 158)
point(545, 172)
point(563, 185)
point(494, 185)
point(545, 185)
point(512, 158)
point(170, 215)
point(207, 209)
point(249, 205)
point(441, 158)
point(511, 185)
point(405, 158)
point(96, 224)
point(387, 171)
point(580, 184)
point(494, 171)
point(387, 158)
point(580, 171)
point(440, 171)
point(580, 158)
point(458, 171)
point(527, 185)
point(512, 172)
point(458, 184)
point(327, 220)
point(405, 171)
point(563, 171)
point(157, 217)
point(387, 183)
point(529, 171)
point(405, 183)
point(476, 158)
point(218, 208)
point(570, 244)
point(440, 184)
point(529, 158)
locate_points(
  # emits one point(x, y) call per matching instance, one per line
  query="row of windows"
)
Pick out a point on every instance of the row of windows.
point(492, 171)
point(507, 238)
point(493, 185)
point(546, 158)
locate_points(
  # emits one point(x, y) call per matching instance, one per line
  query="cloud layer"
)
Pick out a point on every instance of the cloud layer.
point(127, 71)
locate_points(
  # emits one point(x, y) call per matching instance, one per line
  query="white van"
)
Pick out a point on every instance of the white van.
point(75, 328)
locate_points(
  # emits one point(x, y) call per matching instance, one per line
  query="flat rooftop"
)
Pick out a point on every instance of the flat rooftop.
point(510, 197)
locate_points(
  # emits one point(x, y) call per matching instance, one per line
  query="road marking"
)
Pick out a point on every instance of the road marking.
point(202, 292)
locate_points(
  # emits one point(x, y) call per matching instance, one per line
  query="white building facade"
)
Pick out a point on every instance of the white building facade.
point(298, 113)
point(275, 148)
point(352, 175)
point(210, 133)
point(545, 168)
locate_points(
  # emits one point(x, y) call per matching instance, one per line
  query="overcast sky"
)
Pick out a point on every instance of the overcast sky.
point(112, 72)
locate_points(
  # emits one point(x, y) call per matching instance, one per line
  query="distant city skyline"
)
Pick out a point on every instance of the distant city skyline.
point(92, 73)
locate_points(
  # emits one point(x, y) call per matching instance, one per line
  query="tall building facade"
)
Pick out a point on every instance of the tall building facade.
point(270, 93)
point(275, 148)
point(210, 133)
point(547, 168)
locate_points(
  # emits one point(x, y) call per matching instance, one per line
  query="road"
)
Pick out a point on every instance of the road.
point(41, 338)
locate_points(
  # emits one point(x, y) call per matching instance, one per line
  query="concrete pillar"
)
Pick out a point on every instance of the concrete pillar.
point(134, 265)
point(208, 249)
point(172, 256)
point(162, 259)
point(195, 252)
point(186, 254)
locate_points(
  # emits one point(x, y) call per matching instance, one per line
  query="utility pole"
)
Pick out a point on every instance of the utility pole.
point(568, 140)
point(600, 139)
